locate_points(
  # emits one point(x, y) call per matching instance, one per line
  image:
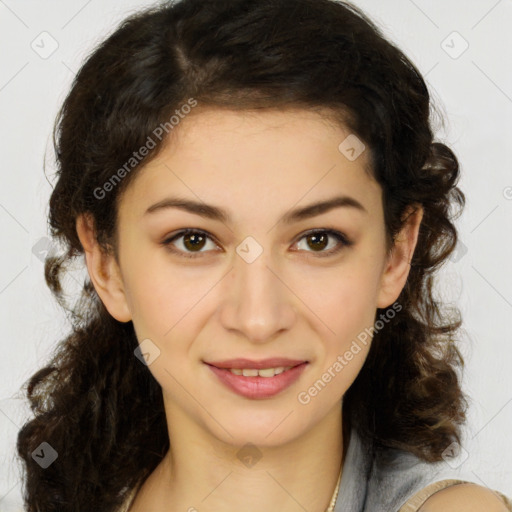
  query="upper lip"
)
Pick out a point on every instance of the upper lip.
point(242, 363)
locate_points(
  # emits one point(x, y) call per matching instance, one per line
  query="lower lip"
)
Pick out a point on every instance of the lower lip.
point(258, 387)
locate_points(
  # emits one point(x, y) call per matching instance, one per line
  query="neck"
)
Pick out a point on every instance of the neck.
point(202, 473)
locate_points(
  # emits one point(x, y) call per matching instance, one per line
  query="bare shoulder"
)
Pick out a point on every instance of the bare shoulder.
point(468, 497)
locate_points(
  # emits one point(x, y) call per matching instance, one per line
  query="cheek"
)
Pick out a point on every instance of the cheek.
point(343, 308)
point(161, 295)
point(156, 302)
point(343, 298)
point(347, 314)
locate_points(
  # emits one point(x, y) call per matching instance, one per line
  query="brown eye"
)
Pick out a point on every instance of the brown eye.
point(318, 240)
point(192, 241)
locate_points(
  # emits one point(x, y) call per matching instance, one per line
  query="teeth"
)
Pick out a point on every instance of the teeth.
point(266, 372)
point(250, 373)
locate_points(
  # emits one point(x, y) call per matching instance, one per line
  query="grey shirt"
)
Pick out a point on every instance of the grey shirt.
point(384, 481)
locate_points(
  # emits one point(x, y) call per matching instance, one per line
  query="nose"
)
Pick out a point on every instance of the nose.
point(258, 302)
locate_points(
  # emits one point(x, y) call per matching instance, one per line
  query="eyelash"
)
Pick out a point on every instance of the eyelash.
point(340, 237)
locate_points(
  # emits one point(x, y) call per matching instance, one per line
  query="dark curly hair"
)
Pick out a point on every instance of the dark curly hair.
point(239, 55)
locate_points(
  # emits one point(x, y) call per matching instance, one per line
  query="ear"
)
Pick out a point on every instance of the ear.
point(398, 264)
point(103, 270)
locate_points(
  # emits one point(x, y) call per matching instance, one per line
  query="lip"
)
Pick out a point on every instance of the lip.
point(242, 363)
point(259, 387)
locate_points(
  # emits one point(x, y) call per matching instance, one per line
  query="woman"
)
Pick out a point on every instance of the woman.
point(261, 206)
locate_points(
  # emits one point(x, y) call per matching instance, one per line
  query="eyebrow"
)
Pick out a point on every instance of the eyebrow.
point(219, 214)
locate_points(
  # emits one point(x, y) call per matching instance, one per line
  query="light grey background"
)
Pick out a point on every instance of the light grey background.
point(473, 86)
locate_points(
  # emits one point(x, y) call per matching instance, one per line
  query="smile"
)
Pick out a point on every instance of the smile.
point(258, 383)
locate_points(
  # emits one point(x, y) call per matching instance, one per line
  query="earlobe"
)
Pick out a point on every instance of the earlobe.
point(103, 271)
point(398, 265)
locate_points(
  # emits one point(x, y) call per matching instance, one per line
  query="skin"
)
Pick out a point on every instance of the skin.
point(467, 497)
point(288, 302)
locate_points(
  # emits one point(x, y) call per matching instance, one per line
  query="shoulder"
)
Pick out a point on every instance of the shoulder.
point(469, 497)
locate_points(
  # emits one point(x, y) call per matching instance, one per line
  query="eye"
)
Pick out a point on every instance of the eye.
point(193, 240)
point(319, 240)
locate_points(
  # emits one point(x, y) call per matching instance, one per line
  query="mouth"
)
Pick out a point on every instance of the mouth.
point(254, 372)
point(257, 383)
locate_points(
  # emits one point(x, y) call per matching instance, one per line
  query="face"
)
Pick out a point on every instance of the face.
point(260, 273)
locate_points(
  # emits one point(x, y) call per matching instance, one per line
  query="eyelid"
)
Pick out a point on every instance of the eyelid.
point(342, 238)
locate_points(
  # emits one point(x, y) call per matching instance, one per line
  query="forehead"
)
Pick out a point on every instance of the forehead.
point(257, 161)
